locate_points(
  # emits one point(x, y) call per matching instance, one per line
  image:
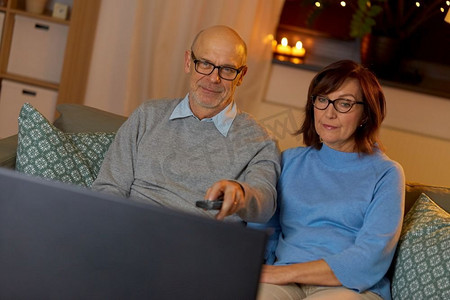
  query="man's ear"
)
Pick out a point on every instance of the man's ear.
point(241, 76)
point(187, 61)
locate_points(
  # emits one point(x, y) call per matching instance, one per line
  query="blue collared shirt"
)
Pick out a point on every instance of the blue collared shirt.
point(222, 120)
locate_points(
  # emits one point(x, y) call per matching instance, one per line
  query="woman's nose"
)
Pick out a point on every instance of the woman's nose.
point(330, 111)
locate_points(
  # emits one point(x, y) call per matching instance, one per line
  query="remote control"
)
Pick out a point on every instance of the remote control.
point(209, 205)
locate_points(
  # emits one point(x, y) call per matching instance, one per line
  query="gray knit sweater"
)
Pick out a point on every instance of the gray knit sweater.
point(173, 162)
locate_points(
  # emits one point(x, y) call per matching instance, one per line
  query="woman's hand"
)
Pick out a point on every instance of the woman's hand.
point(314, 272)
point(277, 274)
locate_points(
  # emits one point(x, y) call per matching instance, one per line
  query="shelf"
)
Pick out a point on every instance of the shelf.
point(47, 16)
point(31, 58)
point(427, 85)
point(81, 21)
point(29, 80)
point(81, 25)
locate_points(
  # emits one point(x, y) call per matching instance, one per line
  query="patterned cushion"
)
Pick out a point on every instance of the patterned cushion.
point(93, 147)
point(422, 266)
point(43, 150)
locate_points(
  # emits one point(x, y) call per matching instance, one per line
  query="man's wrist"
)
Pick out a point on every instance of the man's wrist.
point(242, 187)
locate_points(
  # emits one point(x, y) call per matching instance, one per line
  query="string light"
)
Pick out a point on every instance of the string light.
point(317, 4)
point(418, 4)
point(343, 4)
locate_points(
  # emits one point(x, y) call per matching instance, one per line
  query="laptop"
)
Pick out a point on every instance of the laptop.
point(59, 241)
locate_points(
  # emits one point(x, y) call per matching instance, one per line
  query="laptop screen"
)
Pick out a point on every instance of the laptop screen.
point(59, 241)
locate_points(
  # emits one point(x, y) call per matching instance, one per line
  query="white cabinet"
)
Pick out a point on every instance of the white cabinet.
point(37, 49)
point(44, 60)
point(13, 95)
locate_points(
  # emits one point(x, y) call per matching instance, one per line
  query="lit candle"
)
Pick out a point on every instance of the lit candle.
point(284, 48)
point(298, 50)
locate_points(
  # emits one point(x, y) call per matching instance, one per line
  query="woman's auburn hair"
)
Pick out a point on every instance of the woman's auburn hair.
point(330, 79)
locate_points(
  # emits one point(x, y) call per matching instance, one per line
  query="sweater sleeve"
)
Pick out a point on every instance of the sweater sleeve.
point(362, 265)
point(259, 182)
point(272, 227)
point(116, 174)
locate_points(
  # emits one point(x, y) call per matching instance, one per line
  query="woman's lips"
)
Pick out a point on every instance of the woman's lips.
point(329, 127)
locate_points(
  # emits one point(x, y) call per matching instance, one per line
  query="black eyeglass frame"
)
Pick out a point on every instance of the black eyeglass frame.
point(352, 103)
point(219, 68)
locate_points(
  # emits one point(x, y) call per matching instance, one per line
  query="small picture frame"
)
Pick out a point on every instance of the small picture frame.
point(60, 10)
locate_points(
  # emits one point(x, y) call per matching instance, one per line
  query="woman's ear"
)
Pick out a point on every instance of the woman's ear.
point(363, 121)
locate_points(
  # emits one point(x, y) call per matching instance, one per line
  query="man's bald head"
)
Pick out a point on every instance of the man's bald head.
point(222, 34)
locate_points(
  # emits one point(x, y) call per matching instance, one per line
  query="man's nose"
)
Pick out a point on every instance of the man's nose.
point(214, 76)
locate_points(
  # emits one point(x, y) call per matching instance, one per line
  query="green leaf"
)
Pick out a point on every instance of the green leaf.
point(362, 5)
point(374, 11)
point(359, 14)
point(369, 22)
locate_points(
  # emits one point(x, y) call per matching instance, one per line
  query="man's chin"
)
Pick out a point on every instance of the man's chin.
point(208, 102)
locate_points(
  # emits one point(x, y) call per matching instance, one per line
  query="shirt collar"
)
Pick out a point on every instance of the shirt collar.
point(222, 120)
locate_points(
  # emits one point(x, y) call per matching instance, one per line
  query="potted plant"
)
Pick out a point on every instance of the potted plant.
point(363, 18)
point(383, 26)
point(394, 18)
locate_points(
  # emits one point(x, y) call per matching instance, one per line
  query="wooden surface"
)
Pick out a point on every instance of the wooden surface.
point(82, 21)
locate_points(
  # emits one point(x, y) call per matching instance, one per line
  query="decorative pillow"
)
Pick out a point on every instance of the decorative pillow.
point(422, 266)
point(45, 151)
point(93, 147)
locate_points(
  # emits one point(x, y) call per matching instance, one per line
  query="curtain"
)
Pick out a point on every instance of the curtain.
point(139, 48)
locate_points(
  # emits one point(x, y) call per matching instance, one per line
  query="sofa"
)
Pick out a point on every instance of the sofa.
point(416, 272)
point(72, 118)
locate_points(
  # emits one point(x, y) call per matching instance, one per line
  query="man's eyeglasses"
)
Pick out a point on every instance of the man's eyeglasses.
point(342, 105)
point(206, 68)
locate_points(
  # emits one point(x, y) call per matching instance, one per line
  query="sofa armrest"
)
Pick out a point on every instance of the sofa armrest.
point(8, 148)
point(439, 194)
point(77, 118)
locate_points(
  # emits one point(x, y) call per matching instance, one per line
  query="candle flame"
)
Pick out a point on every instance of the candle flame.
point(284, 41)
point(299, 45)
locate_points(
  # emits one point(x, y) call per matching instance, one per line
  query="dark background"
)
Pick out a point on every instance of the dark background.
point(431, 42)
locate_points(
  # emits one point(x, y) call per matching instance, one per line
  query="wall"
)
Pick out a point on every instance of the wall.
point(416, 131)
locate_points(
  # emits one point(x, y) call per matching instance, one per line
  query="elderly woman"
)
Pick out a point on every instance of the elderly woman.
point(340, 199)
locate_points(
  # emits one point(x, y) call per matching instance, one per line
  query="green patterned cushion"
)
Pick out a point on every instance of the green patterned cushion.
point(93, 147)
point(422, 266)
point(43, 150)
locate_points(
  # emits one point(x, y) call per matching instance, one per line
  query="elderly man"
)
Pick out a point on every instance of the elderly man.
point(175, 152)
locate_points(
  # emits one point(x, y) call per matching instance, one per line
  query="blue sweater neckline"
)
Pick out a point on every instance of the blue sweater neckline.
point(339, 159)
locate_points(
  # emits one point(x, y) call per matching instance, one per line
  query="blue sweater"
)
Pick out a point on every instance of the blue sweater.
point(345, 208)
